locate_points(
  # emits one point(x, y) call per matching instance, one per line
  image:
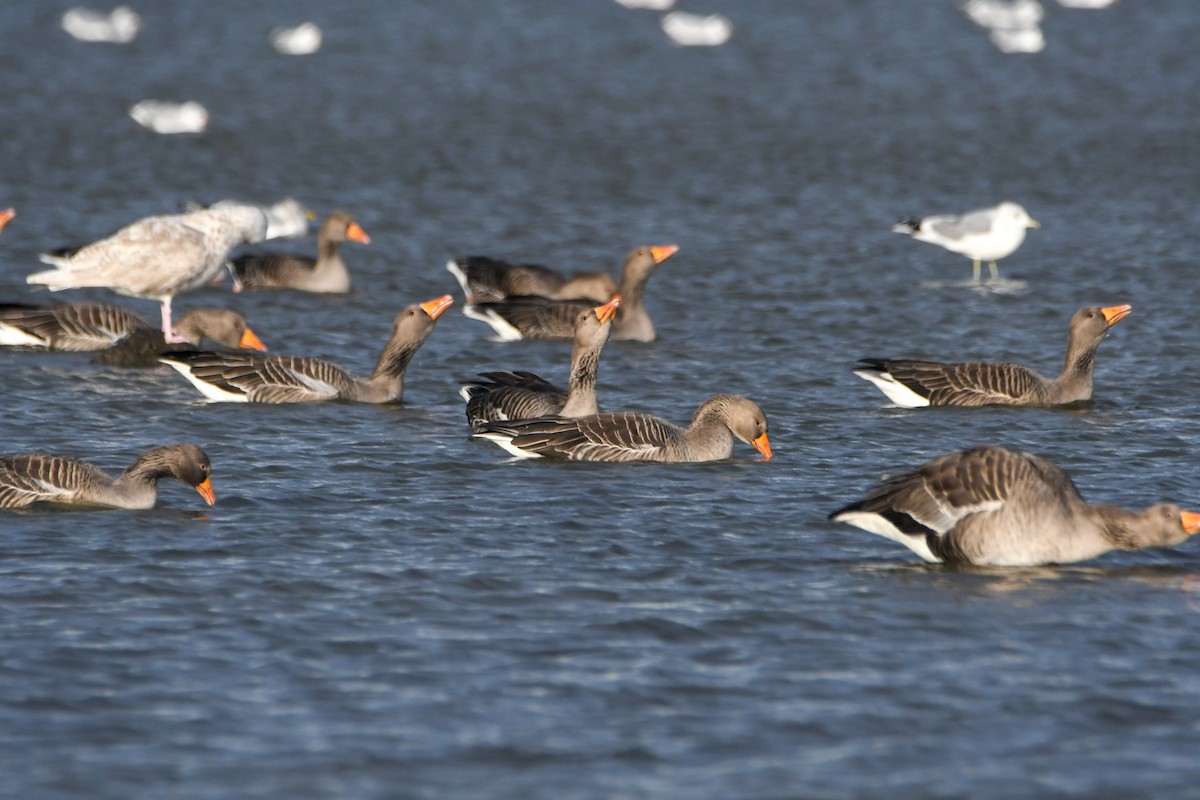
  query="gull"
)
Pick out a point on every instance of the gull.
point(986, 234)
point(157, 257)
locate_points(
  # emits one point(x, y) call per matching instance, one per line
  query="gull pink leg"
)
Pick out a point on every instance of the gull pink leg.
point(169, 331)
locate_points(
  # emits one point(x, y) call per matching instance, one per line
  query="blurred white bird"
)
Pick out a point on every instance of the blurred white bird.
point(693, 30)
point(164, 116)
point(1004, 13)
point(301, 40)
point(286, 219)
point(1018, 40)
point(119, 26)
point(653, 5)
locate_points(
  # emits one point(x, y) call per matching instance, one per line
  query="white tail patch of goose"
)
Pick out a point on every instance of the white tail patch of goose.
point(897, 392)
point(211, 391)
point(505, 331)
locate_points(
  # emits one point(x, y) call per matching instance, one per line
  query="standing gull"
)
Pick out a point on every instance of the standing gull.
point(158, 257)
point(986, 234)
point(994, 507)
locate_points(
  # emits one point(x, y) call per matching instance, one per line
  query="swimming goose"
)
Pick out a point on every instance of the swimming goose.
point(986, 234)
point(915, 384)
point(158, 257)
point(532, 317)
point(990, 506)
point(234, 378)
point(326, 273)
point(62, 480)
point(524, 395)
point(488, 280)
point(88, 327)
point(630, 436)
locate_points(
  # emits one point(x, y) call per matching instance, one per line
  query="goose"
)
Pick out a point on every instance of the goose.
point(990, 506)
point(236, 378)
point(326, 273)
point(158, 257)
point(89, 327)
point(916, 384)
point(489, 280)
point(63, 480)
point(631, 436)
point(533, 317)
point(524, 395)
point(170, 117)
point(986, 234)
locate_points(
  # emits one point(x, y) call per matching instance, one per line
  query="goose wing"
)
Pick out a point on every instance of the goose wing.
point(80, 327)
point(501, 396)
point(968, 384)
point(613, 436)
point(267, 270)
point(40, 477)
point(261, 379)
point(941, 494)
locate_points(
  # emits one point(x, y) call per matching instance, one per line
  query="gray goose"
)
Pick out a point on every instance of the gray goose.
point(236, 378)
point(158, 257)
point(630, 436)
point(489, 280)
point(524, 395)
point(916, 384)
point(123, 337)
point(326, 273)
point(533, 317)
point(62, 480)
point(986, 234)
point(989, 506)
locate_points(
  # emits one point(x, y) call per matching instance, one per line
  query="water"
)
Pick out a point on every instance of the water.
point(379, 607)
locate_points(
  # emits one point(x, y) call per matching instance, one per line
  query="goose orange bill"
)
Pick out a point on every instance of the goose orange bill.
point(607, 311)
point(1190, 521)
point(661, 252)
point(1114, 314)
point(763, 445)
point(355, 233)
point(206, 491)
point(6, 217)
point(251, 342)
point(435, 307)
